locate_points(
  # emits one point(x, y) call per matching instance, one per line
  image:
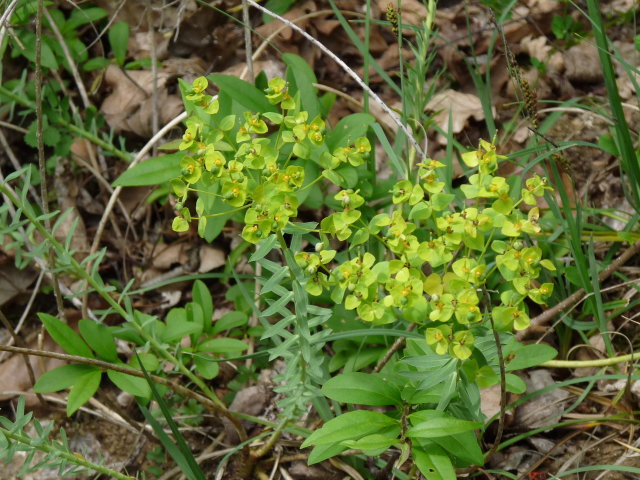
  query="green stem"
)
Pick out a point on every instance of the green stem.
point(76, 459)
point(603, 362)
point(228, 212)
point(96, 141)
point(310, 184)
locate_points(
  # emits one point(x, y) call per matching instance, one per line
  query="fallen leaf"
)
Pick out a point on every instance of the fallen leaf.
point(129, 107)
point(14, 377)
point(463, 107)
point(536, 47)
point(543, 410)
point(13, 281)
point(211, 258)
point(164, 256)
point(583, 63)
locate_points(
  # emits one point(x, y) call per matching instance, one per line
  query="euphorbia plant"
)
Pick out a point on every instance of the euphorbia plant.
point(451, 262)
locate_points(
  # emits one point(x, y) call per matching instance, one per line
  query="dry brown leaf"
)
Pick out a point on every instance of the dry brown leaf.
point(211, 258)
point(167, 255)
point(490, 401)
point(463, 107)
point(287, 33)
point(536, 47)
point(83, 149)
point(139, 45)
point(129, 106)
point(543, 410)
point(13, 281)
point(326, 26)
point(544, 6)
point(14, 376)
point(583, 63)
point(170, 106)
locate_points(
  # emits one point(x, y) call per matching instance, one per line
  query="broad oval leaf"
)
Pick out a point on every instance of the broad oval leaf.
point(434, 463)
point(119, 39)
point(202, 296)
point(242, 92)
point(61, 377)
point(530, 356)
point(100, 338)
point(303, 78)
point(434, 423)
point(153, 171)
point(348, 129)
point(362, 388)
point(178, 326)
point(351, 426)
point(65, 336)
point(83, 390)
point(322, 452)
point(464, 447)
point(230, 346)
point(134, 385)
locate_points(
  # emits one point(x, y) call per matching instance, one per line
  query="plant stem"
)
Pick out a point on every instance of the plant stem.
point(44, 191)
point(602, 362)
point(76, 459)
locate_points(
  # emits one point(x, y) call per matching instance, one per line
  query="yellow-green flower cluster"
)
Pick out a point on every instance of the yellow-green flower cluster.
point(438, 257)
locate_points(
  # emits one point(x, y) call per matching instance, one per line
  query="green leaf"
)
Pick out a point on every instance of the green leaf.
point(351, 426)
point(61, 377)
point(362, 388)
point(348, 130)
point(434, 463)
point(359, 237)
point(119, 39)
point(350, 176)
point(82, 16)
point(277, 6)
point(229, 320)
point(206, 368)
point(322, 452)
point(463, 446)
point(100, 338)
point(530, 355)
point(243, 93)
point(434, 423)
point(372, 445)
point(152, 171)
point(178, 326)
point(202, 296)
point(65, 336)
point(47, 57)
point(515, 384)
point(83, 390)
point(264, 247)
point(440, 201)
point(134, 385)
point(179, 224)
point(149, 361)
point(230, 346)
point(227, 123)
point(95, 63)
point(302, 76)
